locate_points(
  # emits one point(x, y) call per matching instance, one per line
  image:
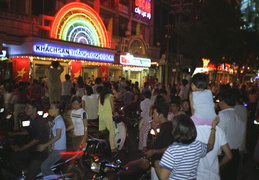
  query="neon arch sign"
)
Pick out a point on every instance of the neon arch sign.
point(78, 22)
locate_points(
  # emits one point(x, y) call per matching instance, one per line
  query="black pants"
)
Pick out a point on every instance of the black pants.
point(230, 170)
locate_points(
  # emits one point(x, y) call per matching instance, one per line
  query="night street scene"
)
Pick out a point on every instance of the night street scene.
point(129, 89)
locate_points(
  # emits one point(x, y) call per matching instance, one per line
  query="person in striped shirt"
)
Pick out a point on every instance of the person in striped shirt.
point(181, 159)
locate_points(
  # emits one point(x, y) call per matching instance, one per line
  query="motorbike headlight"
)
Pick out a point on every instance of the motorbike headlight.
point(8, 116)
point(256, 122)
point(1, 110)
point(152, 132)
point(40, 113)
point(95, 167)
point(45, 115)
point(158, 130)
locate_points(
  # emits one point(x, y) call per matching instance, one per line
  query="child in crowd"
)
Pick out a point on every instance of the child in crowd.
point(186, 107)
point(58, 142)
point(79, 125)
point(201, 101)
point(181, 159)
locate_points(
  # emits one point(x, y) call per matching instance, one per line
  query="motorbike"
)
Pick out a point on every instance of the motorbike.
point(139, 169)
point(66, 168)
point(102, 167)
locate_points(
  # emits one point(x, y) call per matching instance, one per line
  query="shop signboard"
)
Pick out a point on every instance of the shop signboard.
point(131, 60)
point(72, 52)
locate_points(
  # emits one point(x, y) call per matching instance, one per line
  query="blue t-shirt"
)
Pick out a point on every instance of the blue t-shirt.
point(183, 159)
point(59, 124)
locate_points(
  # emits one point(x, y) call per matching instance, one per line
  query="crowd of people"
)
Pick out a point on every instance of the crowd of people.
point(202, 128)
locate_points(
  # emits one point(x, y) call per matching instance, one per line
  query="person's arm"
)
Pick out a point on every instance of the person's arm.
point(112, 103)
point(18, 133)
point(26, 146)
point(227, 155)
point(70, 127)
point(211, 140)
point(151, 152)
point(191, 103)
point(41, 147)
point(61, 68)
point(83, 104)
point(163, 174)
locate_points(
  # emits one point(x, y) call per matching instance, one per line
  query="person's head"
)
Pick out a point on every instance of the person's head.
point(80, 81)
point(55, 64)
point(159, 99)
point(127, 88)
point(67, 77)
point(147, 94)
point(226, 99)
point(184, 130)
point(89, 90)
point(200, 81)
point(76, 102)
point(184, 82)
point(35, 81)
point(162, 92)
point(123, 79)
point(174, 106)
point(99, 89)
point(55, 109)
point(160, 112)
point(107, 89)
point(185, 105)
point(98, 80)
point(31, 108)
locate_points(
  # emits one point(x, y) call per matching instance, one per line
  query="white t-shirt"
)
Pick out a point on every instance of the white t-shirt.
point(208, 167)
point(77, 119)
point(91, 105)
point(203, 104)
point(233, 126)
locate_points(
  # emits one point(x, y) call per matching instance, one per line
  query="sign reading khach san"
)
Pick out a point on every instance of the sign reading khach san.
point(70, 52)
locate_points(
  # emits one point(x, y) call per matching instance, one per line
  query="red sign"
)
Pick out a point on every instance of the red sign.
point(21, 68)
point(76, 69)
point(143, 8)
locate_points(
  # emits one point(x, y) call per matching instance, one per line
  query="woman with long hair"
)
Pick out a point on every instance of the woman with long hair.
point(105, 112)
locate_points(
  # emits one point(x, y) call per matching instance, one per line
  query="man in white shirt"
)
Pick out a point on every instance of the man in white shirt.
point(234, 128)
point(209, 165)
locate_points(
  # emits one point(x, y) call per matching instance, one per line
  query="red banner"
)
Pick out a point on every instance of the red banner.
point(21, 68)
point(76, 69)
point(104, 71)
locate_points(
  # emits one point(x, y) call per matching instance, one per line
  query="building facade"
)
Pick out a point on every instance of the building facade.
point(91, 38)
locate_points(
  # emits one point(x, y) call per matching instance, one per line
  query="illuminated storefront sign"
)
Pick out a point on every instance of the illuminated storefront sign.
point(143, 7)
point(134, 61)
point(3, 55)
point(70, 52)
